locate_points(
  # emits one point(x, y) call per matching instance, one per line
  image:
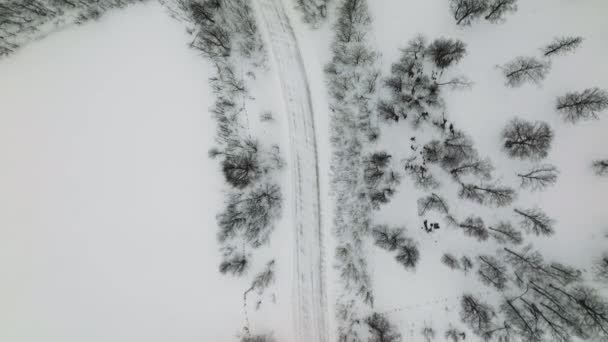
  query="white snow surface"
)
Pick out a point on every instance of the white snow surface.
point(108, 199)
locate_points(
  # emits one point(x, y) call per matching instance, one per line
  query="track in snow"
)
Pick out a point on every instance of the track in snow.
point(310, 309)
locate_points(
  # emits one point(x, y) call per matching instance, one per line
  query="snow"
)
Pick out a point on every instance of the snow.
point(577, 202)
point(108, 201)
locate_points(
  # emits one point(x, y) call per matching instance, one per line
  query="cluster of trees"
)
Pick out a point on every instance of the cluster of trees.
point(22, 21)
point(314, 12)
point(529, 69)
point(221, 26)
point(542, 301)
point(394, 240)
point(466, 12)
point(380, 178)
point(464, 263)
point(415, 84)
point(226, 33)
point(363, 178)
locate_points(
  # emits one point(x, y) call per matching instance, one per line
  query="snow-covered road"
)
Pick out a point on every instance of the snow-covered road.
point(309, 294)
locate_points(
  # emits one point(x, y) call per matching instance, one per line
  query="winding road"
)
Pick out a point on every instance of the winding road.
point(310, 302)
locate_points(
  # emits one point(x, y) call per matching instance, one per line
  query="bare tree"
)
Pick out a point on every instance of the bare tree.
point(535, 221)
point(498, 8)
point(539, 177)
point(432, 202)
point(481, 168)
point(381, 329)
point(444, 52)
point(455, 335)
point(466, 11)
point(420, 174)
point(313, 11)
point(474, 227)
point(476, 314)
point(525, 69)
point(258, 338)
point(562, 46)
point(487, 194)
point(236, 265)
point(240, 165)
point(585, 105)
point(527, 140)
point(466, 263)
point(457, 150)
point(504, 233)
point(388, 238)
point(492, 272)
point(600, 167)
point(251, 214)
point(600, 268)
point(408, 254)
point(450, 261)
point(428, 333)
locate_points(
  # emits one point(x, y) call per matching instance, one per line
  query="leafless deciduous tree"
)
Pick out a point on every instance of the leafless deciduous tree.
point(585, 105)
point(420, 174)
point(381, 330)
point(466, 11)
point(432, 202)
point(467, 263)
point(258, 338)
point(504, 233)
point(235, 265)
point(251, 214)
point(481, 168)
point(408, 254)
point(476, 314)
point(535, 221)
point(428, 333)
point(600, 268)
point(313, 11)
point(443, 52)
point(487, 194)
point(497, 9)
point(492, 272)
point(562, 46)
point(388, 238)
point(600, 167)
point(525, 69)
point(379, 178)
point(450, 261)
point(473, 226)
point(527, 140)
point(538, 177)
point(457, 150)
point(455, 335)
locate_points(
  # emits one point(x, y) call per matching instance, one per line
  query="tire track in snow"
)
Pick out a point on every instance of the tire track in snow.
point(310, 304)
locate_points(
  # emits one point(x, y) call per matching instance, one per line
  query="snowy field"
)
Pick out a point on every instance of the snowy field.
point(108, 199)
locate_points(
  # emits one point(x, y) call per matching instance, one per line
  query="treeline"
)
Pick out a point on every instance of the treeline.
point(363, 176)
point(226, 33)
point(24, 20)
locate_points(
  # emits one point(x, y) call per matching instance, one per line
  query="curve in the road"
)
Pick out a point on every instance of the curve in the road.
point(310, 304)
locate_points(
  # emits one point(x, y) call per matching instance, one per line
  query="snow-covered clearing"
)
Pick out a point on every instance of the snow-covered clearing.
point(108, 227)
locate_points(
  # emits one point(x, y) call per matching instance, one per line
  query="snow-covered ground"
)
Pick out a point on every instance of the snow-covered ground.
point(108, 199)
point(577, 202)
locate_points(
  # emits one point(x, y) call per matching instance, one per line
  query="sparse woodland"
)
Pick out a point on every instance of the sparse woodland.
point(226, 33)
